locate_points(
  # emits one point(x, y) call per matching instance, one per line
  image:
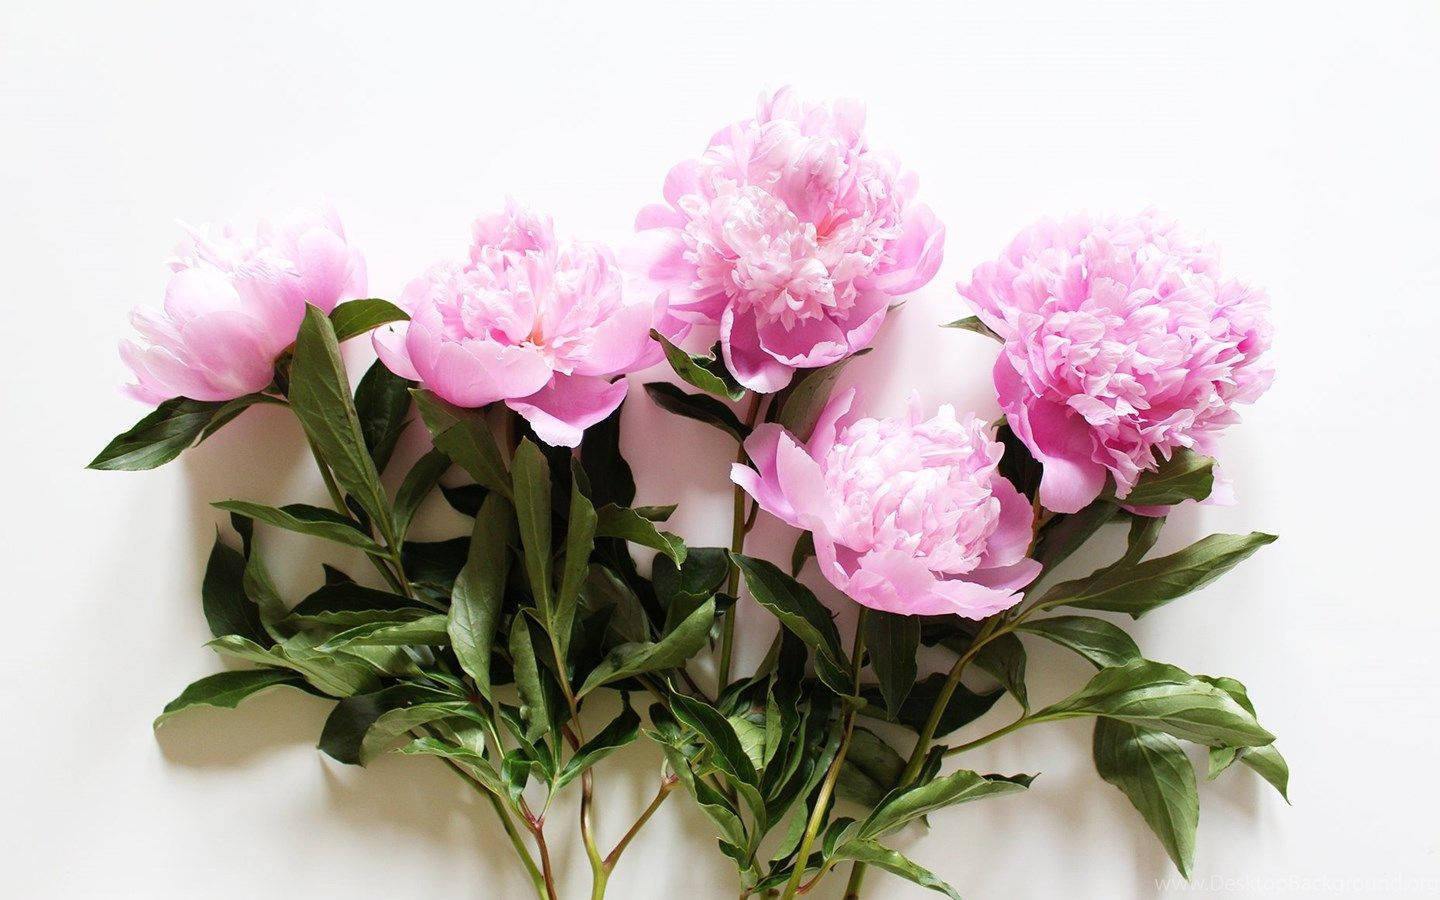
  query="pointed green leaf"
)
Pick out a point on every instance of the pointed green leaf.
point(530, 475)
point(895, 862)
point(905, 805)
point(1140, 588)
point(965, 705)
point(973, 323)
point(462, 435)
point(1064, 534)
point(472, 762)
point(629, 525)
point(1003, 657)
point(227, 608)
point(418, 483)
point(672, 650)
point(305, 519)
point(159, 437)
point(1100, 642)
point(226, 689)
point(344, 733)
point(1158, 696)
point(355, 317)
point(803, 614)
point(382, 401)
point(622, 730)
point(893, 642)
point(797, 408)
point(579, 542)
point(534, 694)
point(320, 397)
point(1186, 475)
point(708, 373)
point(701, 407)
point(1151, 768)
point(479, 592)
point(332, 675)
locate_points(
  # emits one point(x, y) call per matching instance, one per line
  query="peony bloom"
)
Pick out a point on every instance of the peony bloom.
point(234, 303)
point(1123, 341)
point(792, 235)
point(908, 515)
point(541, 325)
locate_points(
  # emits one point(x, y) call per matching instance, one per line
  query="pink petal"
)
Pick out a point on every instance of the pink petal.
point(918, 253)
point(389, 343)
point(1057, 437)
point(751, 366)
point(1015, 529)
point(562, 410)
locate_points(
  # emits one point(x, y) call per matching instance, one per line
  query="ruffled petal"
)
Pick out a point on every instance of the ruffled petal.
point(562, 410)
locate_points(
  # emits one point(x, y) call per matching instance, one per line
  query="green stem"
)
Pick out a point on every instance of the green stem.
point(667, 784)
point(827, 787)
point(391, 571)
point(508, 823)
point(857, 878)
point(738, 530)
point(997, 733)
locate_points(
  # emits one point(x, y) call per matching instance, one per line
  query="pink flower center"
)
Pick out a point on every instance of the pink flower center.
point(922, 489)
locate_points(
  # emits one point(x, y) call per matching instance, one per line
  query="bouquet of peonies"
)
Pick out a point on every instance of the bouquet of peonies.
point(1124, 351)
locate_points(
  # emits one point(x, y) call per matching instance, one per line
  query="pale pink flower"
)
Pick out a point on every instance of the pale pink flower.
point(1123, 341)
point(792, 235)
point(908, 515)
point(235, 302)
point(542, 325)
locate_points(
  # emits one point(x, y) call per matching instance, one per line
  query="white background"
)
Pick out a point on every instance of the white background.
point(1302, 136)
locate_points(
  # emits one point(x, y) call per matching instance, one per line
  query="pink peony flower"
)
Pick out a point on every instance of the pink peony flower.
point(541, 325)
point(908, 515)
point(792, 235)
point(1123, 341)
point(234, 303)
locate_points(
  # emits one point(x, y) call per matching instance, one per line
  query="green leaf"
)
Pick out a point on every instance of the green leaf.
point(973, 323)
point(312, 520)
point(611, 480)
point(422, 632)
point(394, 724)
point(530, 475)
point(222, 593)
point(1100, 642)
point(320, 397)
point(803, 614)
point(1160, 696)
point(1270, 765)
point(335, 676)
point(622, 730)
point(462, 435)
point(681, 590)
point(579, 542)
point(700, 407)
point(894, 645)
point(1003, 658)
point(797, 408)
point(708, 373)
point(672, 650)
point(1140, 588)
point(355, 317)
point(344, 733)
point(346, 604)
point(479, 591)
point(872, 768)
point(905, 805)
point(1017, 464)
point(382, 400)
point(232, 408)
point(417, 485)
point(534, 694)
point(1064, 534)
point(1186, 475)
point(804, 550)
point(466, 758)
point(159, 437)
point(728, 753)
point(629, 525)
point(1151, 768)
point(965, 705)
point(873, 854)
point(226, 689)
